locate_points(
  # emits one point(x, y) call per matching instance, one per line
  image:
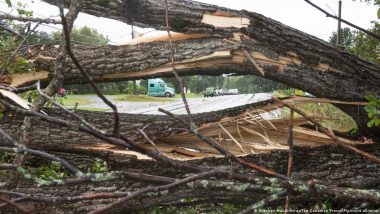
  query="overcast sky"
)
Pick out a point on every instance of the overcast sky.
point(295, 13)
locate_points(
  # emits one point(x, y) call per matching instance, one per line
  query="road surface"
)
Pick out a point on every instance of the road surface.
point(197, 105)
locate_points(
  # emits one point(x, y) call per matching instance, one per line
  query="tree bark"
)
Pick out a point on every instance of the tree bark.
point(215, 43)
point(330, 165)
point(48, 136)
point(286, 54)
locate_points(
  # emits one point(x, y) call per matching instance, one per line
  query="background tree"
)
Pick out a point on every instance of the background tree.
point(85, 36)
point(347, 37)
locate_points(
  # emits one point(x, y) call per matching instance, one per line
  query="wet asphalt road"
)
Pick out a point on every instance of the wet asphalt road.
point(197, 105)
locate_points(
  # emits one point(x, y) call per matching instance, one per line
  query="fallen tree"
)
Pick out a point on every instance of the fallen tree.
point(331, 166)
point(242, 130)
point(223, 184)
point(217, 41)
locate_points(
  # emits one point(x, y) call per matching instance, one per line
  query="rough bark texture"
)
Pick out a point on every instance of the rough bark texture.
point(318, 67)
point(329, 165)
point(48, 136)
point(345, 77)
point(213, 47)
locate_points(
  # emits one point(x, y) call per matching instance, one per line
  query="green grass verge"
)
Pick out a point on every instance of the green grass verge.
point(142, 98)
point(92, 109)
point(191, 95)
point(330, 115)
point(70, 100)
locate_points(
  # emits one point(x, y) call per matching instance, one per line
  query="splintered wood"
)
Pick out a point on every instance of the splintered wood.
point(255, 131)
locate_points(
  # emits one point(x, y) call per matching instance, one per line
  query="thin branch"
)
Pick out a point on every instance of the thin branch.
point(344, 21)
point(122, 141)
point(223, 151)
point(5, 166)
point(179, 79)
point(153, 189)
point(13, 204)
point(11, 31)
point(30, 19)
point(232, 137)
point(329, 133)
point(44, 155)
point(72, 113)
point(88, 77)
point(24, 89)
point(149, 140)
point(253, 61)
point(291, 153)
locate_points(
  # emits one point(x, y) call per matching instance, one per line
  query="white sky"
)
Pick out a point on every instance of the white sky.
point(295, 13)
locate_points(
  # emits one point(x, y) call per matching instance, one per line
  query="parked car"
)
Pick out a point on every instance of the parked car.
point(158, 88)
point(210, 92)
point(233, 91)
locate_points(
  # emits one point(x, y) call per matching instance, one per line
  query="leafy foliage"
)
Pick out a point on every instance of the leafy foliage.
point(50, 171)
point(366, 46)
point(347, 37)
point(100, 166)
point(360, 43)
point(10, 62)
point(85, 36)
point(373, 109)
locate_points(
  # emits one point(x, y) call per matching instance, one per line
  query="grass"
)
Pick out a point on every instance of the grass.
point(191, 95)
point(331, 116)
point(92, 109)
point(70, 100)
point(142, 98)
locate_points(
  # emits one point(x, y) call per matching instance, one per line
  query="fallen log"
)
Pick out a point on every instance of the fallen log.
point(216, 42)
point(305, 61)
point(242, 130)
point(329, 165)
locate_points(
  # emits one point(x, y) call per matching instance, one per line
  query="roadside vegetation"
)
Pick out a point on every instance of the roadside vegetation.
point(328, 114)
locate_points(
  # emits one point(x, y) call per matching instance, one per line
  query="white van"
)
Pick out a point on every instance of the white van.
point(233, 91)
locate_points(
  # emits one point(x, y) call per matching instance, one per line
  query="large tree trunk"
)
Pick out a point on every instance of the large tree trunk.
point(286, 54)
point(214, 45)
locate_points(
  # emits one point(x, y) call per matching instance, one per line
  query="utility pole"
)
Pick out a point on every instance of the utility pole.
point(339, 31)
point(134, 81)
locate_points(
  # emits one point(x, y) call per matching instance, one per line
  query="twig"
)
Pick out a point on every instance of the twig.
point(11, 31)
point(24, 89)
point(291, 153)
point(13, 204)
point(149, 140)
point(153, 189)
point(30, 19)
point(72, 113)
point(27, 34)
point(179, 79)
point(5, 166)
point(329, 133)
point(232, 137)
point(223, 151)
point(122, 141)
point(344, 21)
point(88, 77)
point(44, 155)
point(253, 61)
